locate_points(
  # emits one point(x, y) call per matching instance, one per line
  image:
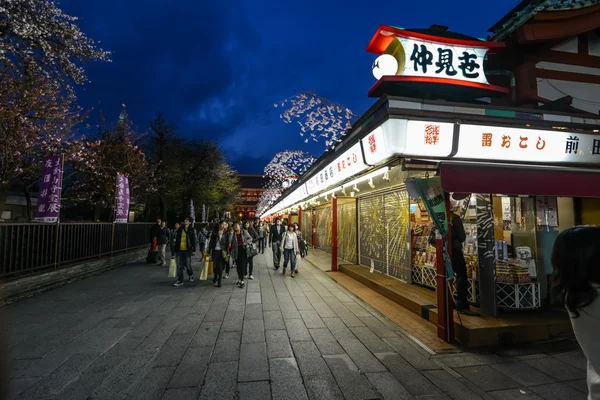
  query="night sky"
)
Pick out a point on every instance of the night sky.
point(216, 68)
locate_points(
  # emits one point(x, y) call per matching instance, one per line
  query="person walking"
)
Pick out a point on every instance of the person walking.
point(301, 245)
point(164, 239)
point(230, 260)
point(218, 249)
point(575, 258)
point(203, 236)
point(250, 229)
point(185, 247)
point(261, 238)
point(241, 244)
point(275, 236)
point(290, 248)
point(174, 237)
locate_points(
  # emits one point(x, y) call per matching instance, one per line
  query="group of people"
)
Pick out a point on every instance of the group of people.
point(227, 244)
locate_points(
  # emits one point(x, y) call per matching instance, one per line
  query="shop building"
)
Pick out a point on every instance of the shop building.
point(522, 171)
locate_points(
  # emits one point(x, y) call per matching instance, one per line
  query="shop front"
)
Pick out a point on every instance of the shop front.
point(518, 176)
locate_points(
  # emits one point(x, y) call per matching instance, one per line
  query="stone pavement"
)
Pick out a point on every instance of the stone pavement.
point(128, 334)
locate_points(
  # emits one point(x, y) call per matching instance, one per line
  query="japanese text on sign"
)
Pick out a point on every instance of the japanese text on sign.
point(122, 199)
point(441, 60)
point(48, 204)
point(514, 144)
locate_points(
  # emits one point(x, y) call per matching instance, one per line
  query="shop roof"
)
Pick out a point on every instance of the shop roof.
point(527, 9)
point(248, 181)
point(439, 110)
point(385, 35)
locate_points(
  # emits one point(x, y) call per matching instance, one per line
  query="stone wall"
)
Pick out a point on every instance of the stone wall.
point(28, 286)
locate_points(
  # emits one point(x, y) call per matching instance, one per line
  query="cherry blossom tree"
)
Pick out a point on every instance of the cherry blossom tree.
point(36, 120)
point(38, 34)
point(117, 148)
point(319, 118)
point(281, 172)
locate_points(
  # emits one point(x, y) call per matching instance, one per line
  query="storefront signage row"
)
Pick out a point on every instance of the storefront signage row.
point(399, 137)
point(527, 145)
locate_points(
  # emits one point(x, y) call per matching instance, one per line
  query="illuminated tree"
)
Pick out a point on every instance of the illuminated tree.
point(37, 34)
point(281, 172)
point(36, 120)
point(116, 149)
point(319, 118)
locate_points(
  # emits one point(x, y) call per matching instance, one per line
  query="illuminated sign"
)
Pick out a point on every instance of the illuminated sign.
point(343, 167)
point(414, 56)
point(527, 145)
point(408, 137)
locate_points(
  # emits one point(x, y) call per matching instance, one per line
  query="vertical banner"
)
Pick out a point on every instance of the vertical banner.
point(208, 212)
point(431, 192)
point(48, 203)
point(192, 211)
point(122, 199)
point(203, 213)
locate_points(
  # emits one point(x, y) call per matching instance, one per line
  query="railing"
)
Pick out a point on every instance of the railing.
point(25, 248)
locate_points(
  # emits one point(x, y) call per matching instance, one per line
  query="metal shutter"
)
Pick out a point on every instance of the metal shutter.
point(324, 229)
point(347, 232)
point(306, 227)
point(384, 225)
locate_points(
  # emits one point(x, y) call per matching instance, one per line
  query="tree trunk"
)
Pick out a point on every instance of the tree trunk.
point(29, 207)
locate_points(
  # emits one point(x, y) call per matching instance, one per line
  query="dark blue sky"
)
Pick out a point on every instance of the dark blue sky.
point(216, 68)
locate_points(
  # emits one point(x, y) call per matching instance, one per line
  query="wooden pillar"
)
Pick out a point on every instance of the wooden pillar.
point(334, 231)
point(300, 218)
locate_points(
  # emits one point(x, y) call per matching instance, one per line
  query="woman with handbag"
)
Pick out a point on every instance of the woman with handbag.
point(240, 251)
point(290, 248)
point(253, 252)
point(218, 249)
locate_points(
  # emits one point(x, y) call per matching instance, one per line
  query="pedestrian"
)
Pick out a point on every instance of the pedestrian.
point(301, 245)
point(290, 248)
point(174, 237)
point(203, 236)
point(241, 245)
point(185, 247)
point(155, 231)
point(275, 236)
point(250, 267)
point(218, 249)
point(575, 258)
point(261, 238)
point(230, 260)
point(164, 239)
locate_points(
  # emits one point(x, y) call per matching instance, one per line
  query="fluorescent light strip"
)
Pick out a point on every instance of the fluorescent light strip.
point(368, 176)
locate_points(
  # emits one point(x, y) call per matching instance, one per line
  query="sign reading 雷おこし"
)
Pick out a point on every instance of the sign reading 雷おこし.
point(527, 145)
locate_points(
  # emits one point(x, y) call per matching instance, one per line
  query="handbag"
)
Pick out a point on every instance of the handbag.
point(253, 252)
point(204, 271)
point(211, 268)
point(172, 268)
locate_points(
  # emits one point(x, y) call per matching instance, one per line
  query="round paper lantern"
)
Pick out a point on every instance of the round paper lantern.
point(385, 64)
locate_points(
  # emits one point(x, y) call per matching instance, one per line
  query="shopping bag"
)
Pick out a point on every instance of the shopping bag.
point(204, 271)
point(173, 268)
point(298, 258)
point(210, 268)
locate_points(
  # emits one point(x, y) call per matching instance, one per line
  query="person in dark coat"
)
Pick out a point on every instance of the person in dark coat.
point(185, 247)
point(275, 236)
point(155, 231)
point(164, 239)
point(218, 248)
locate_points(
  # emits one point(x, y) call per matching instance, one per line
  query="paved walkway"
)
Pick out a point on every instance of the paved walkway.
point(128, 334)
